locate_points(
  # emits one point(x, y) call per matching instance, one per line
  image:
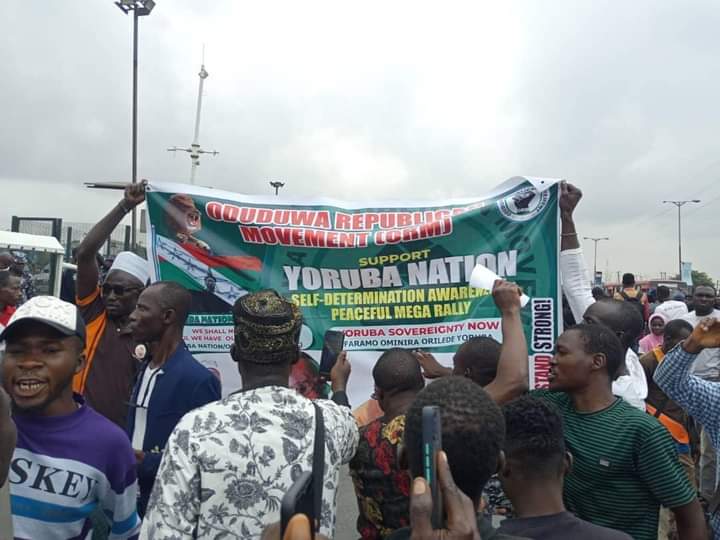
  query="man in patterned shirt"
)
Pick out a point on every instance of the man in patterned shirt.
point(700, 398)
point(381, 486)
point(228, 464)
point(473, 433)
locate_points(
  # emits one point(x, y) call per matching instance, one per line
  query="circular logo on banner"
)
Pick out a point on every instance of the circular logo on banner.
point(524, 204)
point(306, 337)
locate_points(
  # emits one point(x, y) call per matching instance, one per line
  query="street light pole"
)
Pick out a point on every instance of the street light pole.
point(277, 185)
point(596, 240)
point(679, 205)
point(133, 217)
point(139, 8)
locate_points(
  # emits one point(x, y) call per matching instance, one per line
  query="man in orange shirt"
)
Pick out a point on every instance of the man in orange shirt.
point(107, 378)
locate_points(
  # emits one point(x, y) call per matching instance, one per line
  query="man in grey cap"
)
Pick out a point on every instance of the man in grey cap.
point(107, 378)
point(247, 449)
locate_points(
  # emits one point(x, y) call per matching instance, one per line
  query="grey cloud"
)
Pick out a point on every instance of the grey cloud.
point(618, 97)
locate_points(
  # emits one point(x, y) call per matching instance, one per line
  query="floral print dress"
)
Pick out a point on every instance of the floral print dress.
point(228, 464)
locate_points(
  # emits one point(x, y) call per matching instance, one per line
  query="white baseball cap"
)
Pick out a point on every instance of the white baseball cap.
point(51, 311)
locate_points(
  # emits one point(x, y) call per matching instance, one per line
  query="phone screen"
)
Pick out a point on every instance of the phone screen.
point(431, 445)
point(332, 346)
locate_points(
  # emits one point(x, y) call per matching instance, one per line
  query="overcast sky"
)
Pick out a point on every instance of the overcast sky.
point(379, 100)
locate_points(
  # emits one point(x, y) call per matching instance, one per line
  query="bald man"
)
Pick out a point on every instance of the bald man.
point(170, 383)
point(630, 382)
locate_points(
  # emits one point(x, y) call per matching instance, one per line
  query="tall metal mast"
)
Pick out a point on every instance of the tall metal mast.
point(195, 149)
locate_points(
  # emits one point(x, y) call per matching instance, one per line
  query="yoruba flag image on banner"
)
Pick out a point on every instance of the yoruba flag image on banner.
point(385, 274)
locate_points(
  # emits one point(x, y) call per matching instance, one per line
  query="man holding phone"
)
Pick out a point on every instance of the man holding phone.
point(332, 346)
point(463, 526)
point(473, 434)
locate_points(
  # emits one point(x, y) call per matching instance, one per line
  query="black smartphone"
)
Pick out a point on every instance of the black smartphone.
point(332, 346)
point(297, 500)
point(431, 445)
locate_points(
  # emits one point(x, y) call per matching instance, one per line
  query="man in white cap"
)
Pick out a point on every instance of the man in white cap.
point(69, 462)
point(107, 378)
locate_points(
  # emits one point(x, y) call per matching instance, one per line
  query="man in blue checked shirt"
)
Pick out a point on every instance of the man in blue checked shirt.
point(700, 398)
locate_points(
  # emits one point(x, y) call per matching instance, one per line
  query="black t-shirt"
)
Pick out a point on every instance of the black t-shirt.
point(562, 526)
point(487, 532)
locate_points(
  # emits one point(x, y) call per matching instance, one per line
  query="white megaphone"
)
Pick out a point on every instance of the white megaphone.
point(484, 278)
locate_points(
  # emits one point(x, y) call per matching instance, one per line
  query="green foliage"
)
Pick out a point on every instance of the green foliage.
point(701, 278)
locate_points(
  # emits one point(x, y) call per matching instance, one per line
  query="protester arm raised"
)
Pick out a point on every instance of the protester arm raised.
point(340, 373)
point(88, 271)
point(575, 284)
point(700, 398)
point(630, 385)
point(511, 378)
point(572, 264)
point(339, 420)
point(569, 198)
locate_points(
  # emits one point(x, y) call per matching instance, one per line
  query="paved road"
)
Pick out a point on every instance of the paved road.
point(346, 508)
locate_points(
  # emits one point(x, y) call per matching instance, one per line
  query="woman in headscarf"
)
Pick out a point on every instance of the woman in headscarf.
point(655, 337)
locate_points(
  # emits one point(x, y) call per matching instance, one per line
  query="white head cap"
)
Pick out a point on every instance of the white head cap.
point(132, 264)
point(672, 309)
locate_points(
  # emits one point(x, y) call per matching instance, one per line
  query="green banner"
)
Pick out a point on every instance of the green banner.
point(387, 275)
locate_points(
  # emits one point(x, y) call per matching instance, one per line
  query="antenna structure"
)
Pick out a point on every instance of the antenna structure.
point(195, 149)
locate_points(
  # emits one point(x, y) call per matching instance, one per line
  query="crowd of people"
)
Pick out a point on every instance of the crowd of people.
point(109, 428)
